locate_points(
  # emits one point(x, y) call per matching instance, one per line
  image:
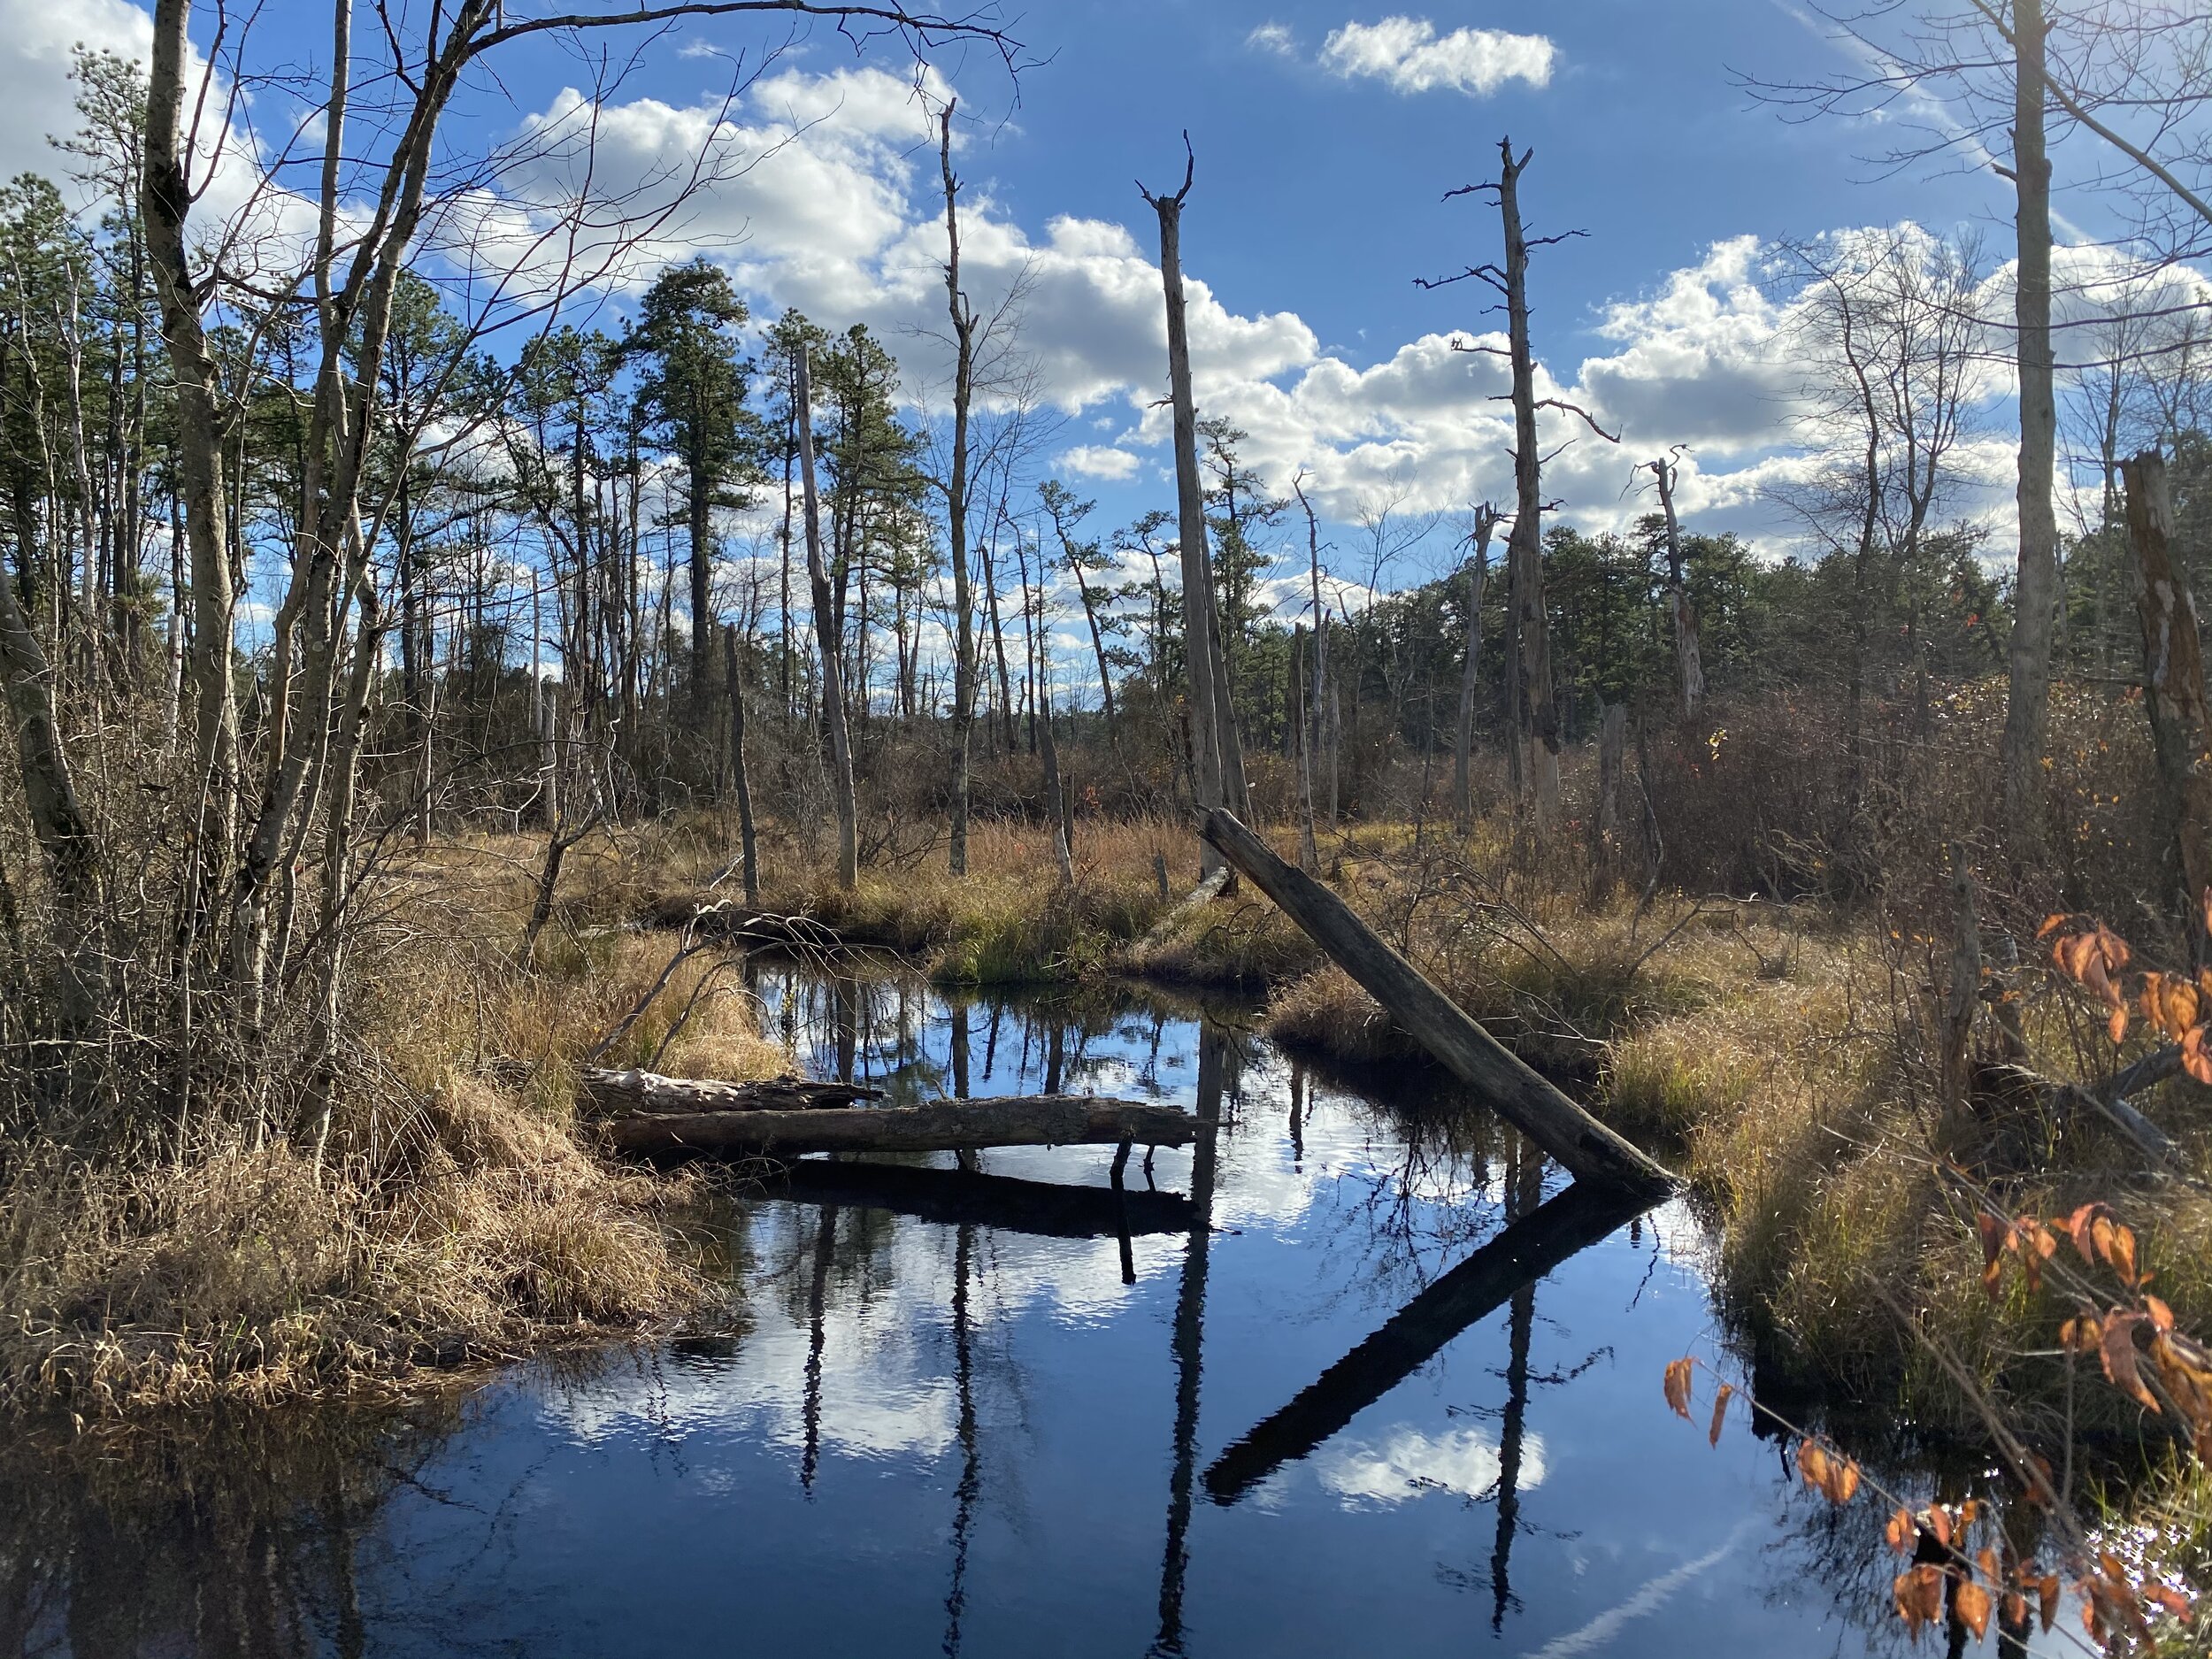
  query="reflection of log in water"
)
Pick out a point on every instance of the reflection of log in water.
point(958, 1197)
point(1190, 1315)
point(970, 1462)
point(1522, 1253)
point(1524, 1189)
point(818, 1296)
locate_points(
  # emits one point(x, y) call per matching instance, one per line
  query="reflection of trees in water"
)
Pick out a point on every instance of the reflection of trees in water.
point(244, 1539)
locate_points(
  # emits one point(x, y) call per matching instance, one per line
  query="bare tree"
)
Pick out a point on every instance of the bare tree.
point(964, 334)
point(1218, 755)
point(1689, 665)
point(1486, 525)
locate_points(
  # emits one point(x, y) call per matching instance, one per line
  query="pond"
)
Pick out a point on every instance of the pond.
point(1360, 1376)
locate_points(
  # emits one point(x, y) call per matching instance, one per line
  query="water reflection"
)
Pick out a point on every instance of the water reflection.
point(1354, 1374)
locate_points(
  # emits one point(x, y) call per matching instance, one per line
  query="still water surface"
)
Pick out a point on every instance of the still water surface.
point(969, 1415)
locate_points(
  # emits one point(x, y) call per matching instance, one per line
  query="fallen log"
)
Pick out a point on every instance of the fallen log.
point(609, 1093)
point(1039, 1120)
point(1523, 1253)
point(1565, 1133)
point(1005, 1202)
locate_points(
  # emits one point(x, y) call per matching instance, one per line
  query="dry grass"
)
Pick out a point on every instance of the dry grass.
point(448, 1221)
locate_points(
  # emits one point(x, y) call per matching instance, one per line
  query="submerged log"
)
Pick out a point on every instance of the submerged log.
point(1040, 1120)
point(1566, 1132)
point(614, 1093)
point(1002, 1202)
point(1522, 1253)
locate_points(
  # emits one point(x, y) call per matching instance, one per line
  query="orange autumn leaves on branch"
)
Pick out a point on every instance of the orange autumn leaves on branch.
point(2178, 1005)
point(1961, 1567)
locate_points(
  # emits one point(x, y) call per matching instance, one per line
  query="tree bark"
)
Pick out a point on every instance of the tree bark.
point(2173, 687)
point(1218, 759)
point(1689, 662)
point(826, 634)
point(1463, 750)
point(1058, 1121)
point(749, 843)
point(963, 674)
point(165, 202)
point(1535, 701)
point(1566, 1134)
point(2035, 591)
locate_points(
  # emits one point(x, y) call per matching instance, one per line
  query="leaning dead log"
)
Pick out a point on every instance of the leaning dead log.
point(1562, 1130)
point(1038, 1120)
point(2070, 1103)
point(609, 1093)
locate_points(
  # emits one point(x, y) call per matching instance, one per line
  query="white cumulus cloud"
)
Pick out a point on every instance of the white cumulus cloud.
point(1412, 56)
point(1099, 460)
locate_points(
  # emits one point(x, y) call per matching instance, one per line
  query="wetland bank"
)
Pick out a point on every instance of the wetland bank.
point(927, 1425)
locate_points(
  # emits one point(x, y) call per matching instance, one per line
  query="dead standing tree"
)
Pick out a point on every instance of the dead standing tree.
point(1218, 757)
point(1689, 665)
point(1535, 702)
point(826, 635)
point(964, 323)
point(1485, 526)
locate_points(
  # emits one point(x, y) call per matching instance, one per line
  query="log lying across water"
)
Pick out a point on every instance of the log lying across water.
point(1564, 1131)
point(1036, 1120)
point(617, 1093)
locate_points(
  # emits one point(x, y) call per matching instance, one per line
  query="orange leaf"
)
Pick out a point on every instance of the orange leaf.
point(2119, 1351)
point(2169, 1598)
point(2016, 1609)
point(1720, 1411)
point(2120, 1252)
point(2051, 925)
point(1918, 1595)
point(2078, 1229)
point(1899, 1532)
point(1812, 1465)
point(2161, 1315)
point(2116, 1027)
point(1972, 1607)
point(2046, 1599)
point(2194, 1061)
point(1987, 1561)
point(1677, 1386)
point(1940, 1523)
point(1843, 1481)
point(2101, 1236)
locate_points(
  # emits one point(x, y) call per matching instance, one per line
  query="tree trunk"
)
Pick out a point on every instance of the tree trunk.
point(964, 675)
point(1539, 729)
point(1563, 1130)
point(2035, 592)
point(825, 631)
point(749, 846)
point(1060, 1121)
point(1217, 760)
point(2173, 687)
point(65, 835)
point(1688, 662)
point(165, 201)
point(1463, 750)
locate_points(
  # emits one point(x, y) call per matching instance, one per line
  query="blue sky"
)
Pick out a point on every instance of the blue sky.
point(1326, 135)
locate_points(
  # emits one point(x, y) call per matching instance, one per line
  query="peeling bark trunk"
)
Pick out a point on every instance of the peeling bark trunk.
point(2173, 687)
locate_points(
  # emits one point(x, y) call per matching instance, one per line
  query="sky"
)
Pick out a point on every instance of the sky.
point(1326, 135)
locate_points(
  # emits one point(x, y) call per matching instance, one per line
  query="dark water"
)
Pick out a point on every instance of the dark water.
point(1383, 1405)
